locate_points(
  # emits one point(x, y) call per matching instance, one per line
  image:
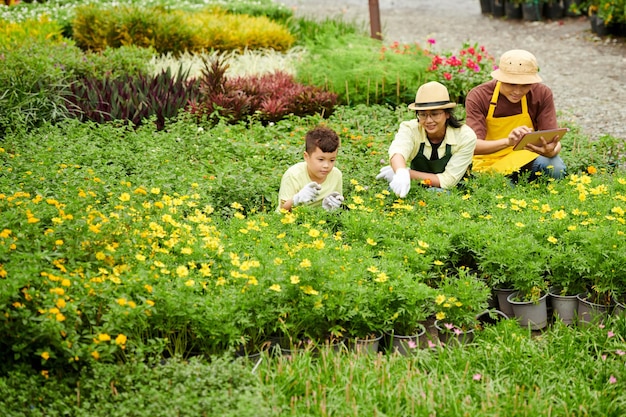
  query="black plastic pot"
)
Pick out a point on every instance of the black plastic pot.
point(531, 12)
point(497, 8)
point(513, 10)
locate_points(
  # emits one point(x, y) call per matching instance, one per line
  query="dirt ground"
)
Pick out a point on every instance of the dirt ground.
point(586, 73)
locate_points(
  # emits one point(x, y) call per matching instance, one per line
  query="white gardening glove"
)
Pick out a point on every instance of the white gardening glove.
point(332, 201)
point(401, 183)
point(386, 172)
point(307, 194)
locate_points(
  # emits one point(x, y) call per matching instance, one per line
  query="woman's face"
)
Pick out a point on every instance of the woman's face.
point(514, 92)
point(434, 122)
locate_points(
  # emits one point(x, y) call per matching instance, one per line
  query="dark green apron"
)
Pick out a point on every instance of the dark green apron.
point(437, 166)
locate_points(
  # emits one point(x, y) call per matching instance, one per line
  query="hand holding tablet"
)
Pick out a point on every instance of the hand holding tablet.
point(534, 138)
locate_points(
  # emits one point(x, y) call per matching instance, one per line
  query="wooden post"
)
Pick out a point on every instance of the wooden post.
point(375, 29)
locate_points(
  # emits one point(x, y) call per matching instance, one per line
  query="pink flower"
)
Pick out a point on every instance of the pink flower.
point(431, 41)
point(447, 76)
point(477, 377)
point(610, 334)
point(601, 326)
point(457, 331)
point(412, 344)
point(612, 380)
point(449, 326)
point(620, 352)
point(431, 345)
point(603, 357)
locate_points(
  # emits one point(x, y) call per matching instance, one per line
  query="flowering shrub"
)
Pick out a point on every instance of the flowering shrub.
point(461, 71)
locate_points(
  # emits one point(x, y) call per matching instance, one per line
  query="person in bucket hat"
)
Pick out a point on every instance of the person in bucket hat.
point(504, 109)
point(434, 149)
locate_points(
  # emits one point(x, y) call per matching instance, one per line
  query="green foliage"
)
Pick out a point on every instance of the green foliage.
point(194, 387)
point(40, 30)
point(32, 83)
point(95, 28)
point(362, 71)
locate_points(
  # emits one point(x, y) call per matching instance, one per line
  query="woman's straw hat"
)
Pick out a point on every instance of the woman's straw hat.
point(432, 96)
point(517, 67)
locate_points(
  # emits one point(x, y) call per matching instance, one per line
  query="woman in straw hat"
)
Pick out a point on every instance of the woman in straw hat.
point(436, 145)
point(504, 109)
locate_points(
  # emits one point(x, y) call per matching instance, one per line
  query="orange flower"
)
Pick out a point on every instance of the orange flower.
point(591, 170)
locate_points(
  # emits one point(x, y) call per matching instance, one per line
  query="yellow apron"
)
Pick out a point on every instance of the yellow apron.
point(506, 160)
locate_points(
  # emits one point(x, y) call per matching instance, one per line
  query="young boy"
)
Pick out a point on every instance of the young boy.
point(315, 181)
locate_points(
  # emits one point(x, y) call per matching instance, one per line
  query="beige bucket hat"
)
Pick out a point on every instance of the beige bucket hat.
point(432, 96)
point(517, 67)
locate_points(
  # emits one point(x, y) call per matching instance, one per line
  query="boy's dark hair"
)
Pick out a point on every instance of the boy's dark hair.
point(322, 137)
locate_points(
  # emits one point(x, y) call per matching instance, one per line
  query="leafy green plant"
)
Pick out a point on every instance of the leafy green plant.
point(460, 297)
point(362, 71)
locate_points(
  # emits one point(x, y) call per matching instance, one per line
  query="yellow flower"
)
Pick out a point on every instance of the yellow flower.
point(120, 339)
point(371, 241)
point(423, 244)
point(382, 277)
point(520, 224)
point(466, 215)
point(45, 355)
point(314, 232)
point(276, 288)
point(182, 271)
point(294, 279)
point(438, 263)
point(307, 289)
point(440, 315)
point(124, 197)
point(190, 283)
point(95, 355)
point(440, 299)
point(553, 240)
point(103, 337)
point(140, 257)
point(305, 263)
point(373, 269)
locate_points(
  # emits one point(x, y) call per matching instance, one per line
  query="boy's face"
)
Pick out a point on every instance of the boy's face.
point(319, 164)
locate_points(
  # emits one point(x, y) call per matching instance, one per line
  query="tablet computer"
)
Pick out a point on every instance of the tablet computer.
point(534, 138)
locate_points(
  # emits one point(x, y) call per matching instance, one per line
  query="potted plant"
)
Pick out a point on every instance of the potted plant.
point(408, 304)
point(528, 277)
point(568, 269)
point(603, 250)
point(460, 297)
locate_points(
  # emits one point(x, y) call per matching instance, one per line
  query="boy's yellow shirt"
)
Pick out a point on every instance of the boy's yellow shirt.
point(297, 177)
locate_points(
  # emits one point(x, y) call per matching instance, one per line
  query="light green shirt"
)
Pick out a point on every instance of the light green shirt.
point(463, 141)
point(297, 176)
